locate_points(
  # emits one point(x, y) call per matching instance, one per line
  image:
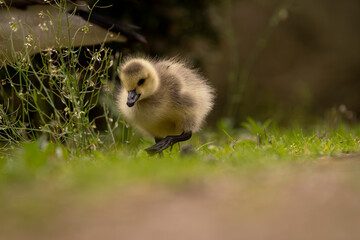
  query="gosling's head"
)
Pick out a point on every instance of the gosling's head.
point(140, 79)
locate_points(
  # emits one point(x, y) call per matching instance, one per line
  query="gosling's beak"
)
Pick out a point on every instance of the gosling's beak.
point(132, 98)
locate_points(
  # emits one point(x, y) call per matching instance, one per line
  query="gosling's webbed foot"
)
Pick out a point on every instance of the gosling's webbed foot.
point(167, 142)
point(159, 147)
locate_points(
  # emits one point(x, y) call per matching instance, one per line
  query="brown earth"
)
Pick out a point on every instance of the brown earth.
point(318, 200)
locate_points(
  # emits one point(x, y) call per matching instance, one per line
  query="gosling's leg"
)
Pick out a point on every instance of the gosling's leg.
point(167, 142)
point(156, 141)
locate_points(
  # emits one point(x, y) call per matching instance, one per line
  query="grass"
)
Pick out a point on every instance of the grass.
point(43, 162)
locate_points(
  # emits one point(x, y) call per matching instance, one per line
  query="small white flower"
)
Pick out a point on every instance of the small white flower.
point(96, 56)
point(212, 147)
point(53, 69)
point(43, 26)
point(78, 114)
point(85, 29)
point(41, 14)
point(29, 40)
point(49, 51)
point(13, 25)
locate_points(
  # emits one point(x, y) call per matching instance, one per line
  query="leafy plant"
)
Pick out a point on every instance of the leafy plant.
point(55, 95)
point(258, 129)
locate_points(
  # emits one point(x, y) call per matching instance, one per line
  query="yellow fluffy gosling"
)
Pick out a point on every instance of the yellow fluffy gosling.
point(164, 99)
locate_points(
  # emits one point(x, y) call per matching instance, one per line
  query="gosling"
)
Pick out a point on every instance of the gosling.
point(163, 99)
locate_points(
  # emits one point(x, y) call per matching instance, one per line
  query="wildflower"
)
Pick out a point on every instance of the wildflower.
point(212, 147)
point(43, 26)
point(41, 14)
point(2, 2)
point(78, 114)
point(53, 69)
point(48, 49)
point(13, 25)
point(24, 61)
point(75, 58)
point(85, 29)
point(96, 56)
point(46, 1)
point(29, 39)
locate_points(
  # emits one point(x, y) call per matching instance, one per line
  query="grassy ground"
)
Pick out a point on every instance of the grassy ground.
point(67, 174)
point(42, 182)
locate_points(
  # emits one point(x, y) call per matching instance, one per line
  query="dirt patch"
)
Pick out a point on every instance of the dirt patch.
point(304, 201)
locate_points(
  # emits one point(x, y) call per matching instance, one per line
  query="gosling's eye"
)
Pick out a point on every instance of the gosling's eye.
point(141, 81)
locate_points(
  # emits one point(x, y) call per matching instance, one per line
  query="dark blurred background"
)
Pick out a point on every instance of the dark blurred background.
point(282, 60)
